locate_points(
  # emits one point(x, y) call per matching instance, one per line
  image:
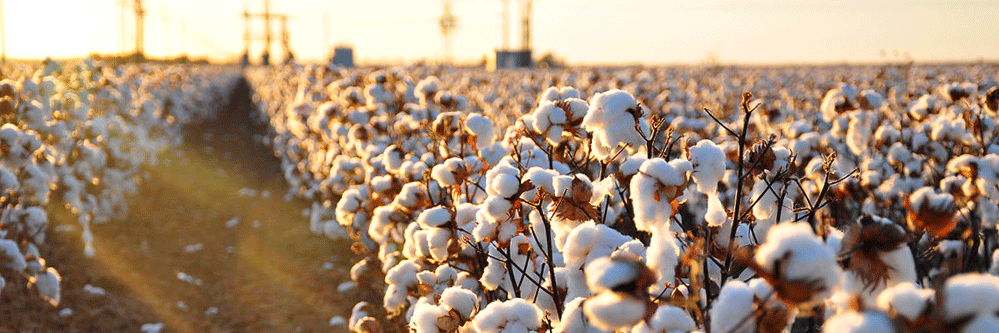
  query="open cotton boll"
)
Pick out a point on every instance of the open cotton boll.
point(513, 316)
point(620, 270)
point(708, 163)
point(802, 257)
point(906, 300)
point(451, 172)
point(858, 135)
point(859, 322)
point(482, 128)
point(574, 320)
point(667, 318)
point(461, 300)
point(970, 294)
point(549, 120)
point(734, 302)
point(47, 284)
point(612, 118)
point(425, 318)
point(663, 255)
point(612, 311)
point(11, 254)
point(434, 217)
point(654, 190)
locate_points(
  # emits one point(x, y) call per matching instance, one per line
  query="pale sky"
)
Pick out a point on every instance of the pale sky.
point(581, 31)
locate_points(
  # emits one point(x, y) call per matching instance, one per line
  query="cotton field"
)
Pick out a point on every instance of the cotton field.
point(801, 199)
point(447, 199)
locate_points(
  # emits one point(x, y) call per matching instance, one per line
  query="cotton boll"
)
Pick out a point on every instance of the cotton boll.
point(12, 255)
point(906, 300)
point(667, 318)
point(47, 284)
point(802, 258)
point(654, 190)
point(574, 320)
point(612, 118)
point(708, 163)
point(663, 256)
point(857, 322)
point(425, 318)
point(620, 270)
point(734, 302)
point(515, 315)
point(434, 217)
point(461, 300)
point(970, 294)
point(482, 128)
point(612, 311)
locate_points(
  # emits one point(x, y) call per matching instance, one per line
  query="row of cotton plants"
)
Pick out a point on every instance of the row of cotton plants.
point(652, 200)
point(77, 134)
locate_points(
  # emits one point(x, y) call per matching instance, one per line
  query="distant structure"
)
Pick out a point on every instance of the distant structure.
point(343, 56)
point(267, 37)
point(140, 15)
point(506, 57)
point(448, 23)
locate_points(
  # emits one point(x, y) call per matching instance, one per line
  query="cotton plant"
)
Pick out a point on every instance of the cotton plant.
point(532, 192)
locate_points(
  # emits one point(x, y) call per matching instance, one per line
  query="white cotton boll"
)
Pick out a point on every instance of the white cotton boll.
point(765, 198)
point(663, 255)
point(855, 322)
point(47, 284)
point(589, 241)
point(607, 273)
point(858, 135)
point(438, 241)
point(734, 302)
point(612, 118)
point(505, 184)
point(801, 256)
point(651, 189)
point(482, 128)
point(708, 162)
point(542, 178)
point(574, 320)
point(461, 300)
point(715, 215)
point(424, 319)
point(612, 311)
point(906, 300)
point(667, 318)
point(434, 217)
point(982, 324)
point(970, 294)
point(12, 255)
point(513, 316)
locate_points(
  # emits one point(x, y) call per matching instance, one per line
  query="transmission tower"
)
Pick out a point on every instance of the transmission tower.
point(448, 24)
point(140, 15)
point(268, 36)
point(526, 25)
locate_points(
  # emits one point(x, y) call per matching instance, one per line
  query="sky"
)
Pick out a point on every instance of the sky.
point(579, 31)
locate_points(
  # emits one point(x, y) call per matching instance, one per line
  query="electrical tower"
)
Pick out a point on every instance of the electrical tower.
point(140, 15)
point(267, 36)
point(448, 24)
point(526, 25)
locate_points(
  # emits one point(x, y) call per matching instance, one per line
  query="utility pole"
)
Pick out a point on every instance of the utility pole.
point(140, 15)
point(526, 37)
point(448, 23)
point(266, 57)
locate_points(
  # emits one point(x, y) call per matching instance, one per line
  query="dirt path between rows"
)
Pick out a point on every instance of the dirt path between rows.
point(210, 245)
